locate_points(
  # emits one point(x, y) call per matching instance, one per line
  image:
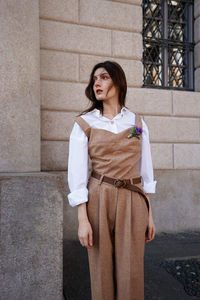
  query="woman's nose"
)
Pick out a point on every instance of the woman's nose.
point(97, 82)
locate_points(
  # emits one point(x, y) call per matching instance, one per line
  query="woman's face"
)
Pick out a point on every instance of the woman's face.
point(103, 85)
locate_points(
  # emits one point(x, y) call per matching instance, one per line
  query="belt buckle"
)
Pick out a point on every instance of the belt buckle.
point(119, 183)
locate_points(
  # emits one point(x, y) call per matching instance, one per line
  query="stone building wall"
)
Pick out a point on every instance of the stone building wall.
point(31, 202)
point(20, 87)
point(75, 35)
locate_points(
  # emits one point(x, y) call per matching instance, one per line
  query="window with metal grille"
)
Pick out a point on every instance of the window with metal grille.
point(168, 45)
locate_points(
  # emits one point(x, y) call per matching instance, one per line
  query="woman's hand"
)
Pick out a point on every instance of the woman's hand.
point(85, 233)
point(151, 230)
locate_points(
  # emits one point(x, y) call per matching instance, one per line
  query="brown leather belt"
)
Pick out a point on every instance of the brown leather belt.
point(123, 183)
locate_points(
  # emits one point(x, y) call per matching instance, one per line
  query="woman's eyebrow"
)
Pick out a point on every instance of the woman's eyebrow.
point(100, 74)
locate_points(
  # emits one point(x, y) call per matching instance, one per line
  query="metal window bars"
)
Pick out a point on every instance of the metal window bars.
point(168, 44)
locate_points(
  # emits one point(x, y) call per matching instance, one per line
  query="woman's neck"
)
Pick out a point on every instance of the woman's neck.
point(111, 111)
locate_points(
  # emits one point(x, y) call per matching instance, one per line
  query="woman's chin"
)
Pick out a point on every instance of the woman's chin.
point(99, 97)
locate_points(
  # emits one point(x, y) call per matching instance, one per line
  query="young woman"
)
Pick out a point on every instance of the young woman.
point(114, 210)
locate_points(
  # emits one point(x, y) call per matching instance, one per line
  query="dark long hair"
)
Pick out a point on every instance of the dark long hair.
point(119, 80)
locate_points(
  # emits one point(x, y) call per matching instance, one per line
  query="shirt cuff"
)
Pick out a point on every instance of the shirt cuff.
point(149, 187)
point(78, 196)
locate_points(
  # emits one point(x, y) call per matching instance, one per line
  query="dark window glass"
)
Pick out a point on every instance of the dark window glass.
point(168, 44)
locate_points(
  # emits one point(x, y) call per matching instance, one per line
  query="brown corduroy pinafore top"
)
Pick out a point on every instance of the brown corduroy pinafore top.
point(113, 154)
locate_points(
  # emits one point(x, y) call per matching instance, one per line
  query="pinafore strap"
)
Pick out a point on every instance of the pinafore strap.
point(84, 125)
point(138, 120)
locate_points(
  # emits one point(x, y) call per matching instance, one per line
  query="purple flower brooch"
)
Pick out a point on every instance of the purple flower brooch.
point(136, 131)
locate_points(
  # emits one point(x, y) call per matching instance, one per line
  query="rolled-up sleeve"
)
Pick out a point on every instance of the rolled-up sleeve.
point(78, 166)
point(146, 166)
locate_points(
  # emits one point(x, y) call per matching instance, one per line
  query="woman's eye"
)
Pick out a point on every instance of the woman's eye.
point(104, 77)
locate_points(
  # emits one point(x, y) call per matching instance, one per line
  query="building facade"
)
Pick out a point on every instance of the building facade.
point(46, 68)
point(48, 49)
point(75, 35)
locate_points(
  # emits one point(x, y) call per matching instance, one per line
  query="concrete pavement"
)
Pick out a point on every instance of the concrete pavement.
point(159, 283)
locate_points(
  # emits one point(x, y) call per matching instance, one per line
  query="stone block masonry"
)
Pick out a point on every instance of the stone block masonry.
point(31, 236)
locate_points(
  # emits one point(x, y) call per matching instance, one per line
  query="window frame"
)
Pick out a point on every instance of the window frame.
point(164, 43)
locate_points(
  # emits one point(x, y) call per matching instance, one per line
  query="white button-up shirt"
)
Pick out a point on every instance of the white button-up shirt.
point(78, 159)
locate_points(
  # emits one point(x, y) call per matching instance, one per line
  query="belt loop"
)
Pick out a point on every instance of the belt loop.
point(101, 178)
point(131, 180)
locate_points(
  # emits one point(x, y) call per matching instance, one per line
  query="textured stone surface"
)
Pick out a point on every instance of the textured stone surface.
point(19, 85)
point(187, 156)
point(134, 2)
point(162, 155)
point(63, 95)
point(70, 214)
point(186, 103)
point(54, 155)
point(196, 8)
point(197, 30)
point(59, 10)
point(197, 55)
point(57, 125)
point(31, 236)
point(74, 37)
point(176, 204)
point(58, 65)
point(111, 15)
point(149, 101)
point(127, 44)
point(173, 129)
point(197, 80)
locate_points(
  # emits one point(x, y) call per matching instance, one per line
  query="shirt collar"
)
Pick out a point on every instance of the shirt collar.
point(98, 114)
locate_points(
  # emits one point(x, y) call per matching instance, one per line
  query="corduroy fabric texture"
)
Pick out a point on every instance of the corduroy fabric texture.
point(118, 217)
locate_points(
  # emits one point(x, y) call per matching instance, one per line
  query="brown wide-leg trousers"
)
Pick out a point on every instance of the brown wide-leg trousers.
point(119, 219)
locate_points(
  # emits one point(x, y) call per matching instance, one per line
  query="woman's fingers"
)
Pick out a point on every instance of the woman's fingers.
point(87, 242)
point(90, 238)
point(150, 233)
point(153, 232)
point(84, 242)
